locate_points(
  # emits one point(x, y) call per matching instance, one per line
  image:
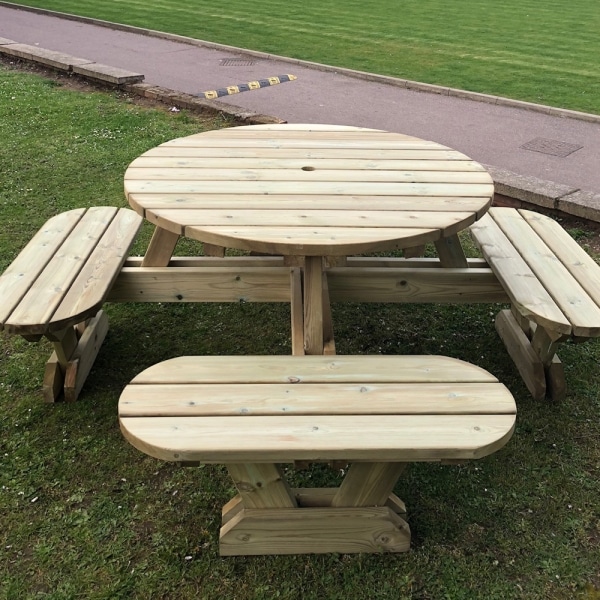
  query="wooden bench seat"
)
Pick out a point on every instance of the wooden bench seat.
point(57, 284)
point(554, 288)
point(376, 412)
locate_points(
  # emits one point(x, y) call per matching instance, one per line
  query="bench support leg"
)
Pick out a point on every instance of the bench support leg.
point(451, 253)
point(270, 518)
point(535, 359)
point(72, 359)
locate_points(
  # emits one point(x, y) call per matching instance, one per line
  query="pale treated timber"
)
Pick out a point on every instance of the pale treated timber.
point(53, 382)
point(544, 344)
point(64, 342)
point(314, 530)
point(368, 484)
point(65, 377)
point(93, 282)
point(33, 259)
point(312, 241)
point(581, 310)
point(261, 486)
point(83, 359)
point(450, 252)
point(328, 335)
point(375, 369)
point(35, 310)
point(353, 438)
point(271, 284)
point(577, 261)
point(313, 305)
point(524, 323)
point(519, 348)
point(527, 294)
point(309, 498)
point(207, 399)
point(556, 385)
point(230, 173)
point(277, 218)
point(443, 203)
point(414, 285)
point(63, 276)
point(311, 188)
point(161, 247)
point(297, 162)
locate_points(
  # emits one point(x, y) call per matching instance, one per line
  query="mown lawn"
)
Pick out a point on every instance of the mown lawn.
point(545, 52)
point(84, 515)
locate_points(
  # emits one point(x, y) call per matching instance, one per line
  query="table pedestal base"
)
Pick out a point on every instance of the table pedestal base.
point(313, 527)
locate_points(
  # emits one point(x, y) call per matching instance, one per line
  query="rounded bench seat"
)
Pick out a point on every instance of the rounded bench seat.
point(376, 412)
point(279, 408)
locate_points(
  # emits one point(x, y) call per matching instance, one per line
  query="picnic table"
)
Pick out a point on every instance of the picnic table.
point(314, 194)
point(311, 197)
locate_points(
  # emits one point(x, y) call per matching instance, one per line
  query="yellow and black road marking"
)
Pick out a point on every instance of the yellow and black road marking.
point(245, 87)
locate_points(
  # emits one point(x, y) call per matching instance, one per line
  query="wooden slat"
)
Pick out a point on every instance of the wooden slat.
point(312, 218)
point(310, 241)
point(195, 400)
point(397, 438)
point(94, 281)
point(305, 174)
point(519, 281)
point(578, 262)
point(294, 133)
point(323, 202)
point(24, 270)
point(333, 141)
point(314, 369)
point(570, 297)
point(237, 151)
point(135, 186)
point(36, 308)
point(211, 162)
point(262, 486)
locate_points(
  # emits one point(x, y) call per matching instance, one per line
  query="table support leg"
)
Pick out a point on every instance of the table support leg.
point(451, 253)
point(328, 339)
point(297, 312)
point(161, 248)
point(313, 305)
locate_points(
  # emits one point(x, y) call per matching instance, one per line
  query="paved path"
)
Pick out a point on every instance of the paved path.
point(490, 133)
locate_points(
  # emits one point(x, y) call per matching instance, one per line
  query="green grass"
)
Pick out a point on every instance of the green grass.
point(544, 52)
point(84, 515)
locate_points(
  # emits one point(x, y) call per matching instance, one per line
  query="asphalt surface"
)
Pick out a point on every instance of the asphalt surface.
point(492, 134)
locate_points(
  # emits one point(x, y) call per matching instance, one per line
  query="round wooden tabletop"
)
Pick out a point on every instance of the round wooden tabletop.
point(308, 190)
